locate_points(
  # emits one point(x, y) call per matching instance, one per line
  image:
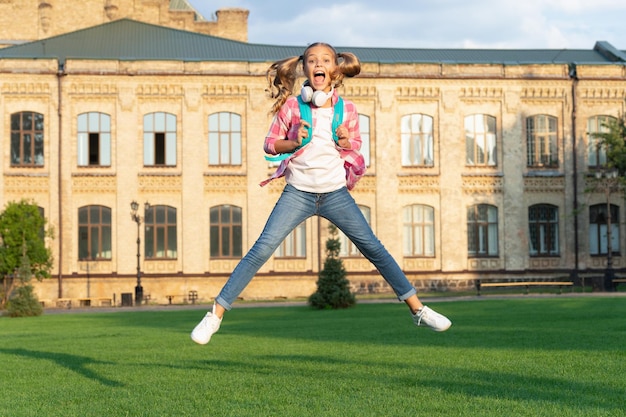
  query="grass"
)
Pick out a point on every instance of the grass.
point(524, 356)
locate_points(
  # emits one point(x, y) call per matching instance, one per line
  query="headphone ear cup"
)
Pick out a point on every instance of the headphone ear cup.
point(306, 93)
point(319, 98)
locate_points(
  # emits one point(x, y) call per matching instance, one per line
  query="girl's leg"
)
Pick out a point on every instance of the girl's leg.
point(292, 208)
point(340, 208)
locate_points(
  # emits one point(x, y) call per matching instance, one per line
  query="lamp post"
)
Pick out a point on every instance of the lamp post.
point(134, 206)
point(610, 177)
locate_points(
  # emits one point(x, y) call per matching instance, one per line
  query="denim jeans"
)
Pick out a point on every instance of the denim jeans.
point(292, 208)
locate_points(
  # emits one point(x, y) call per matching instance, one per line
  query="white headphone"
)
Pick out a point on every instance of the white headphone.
point(318, 98)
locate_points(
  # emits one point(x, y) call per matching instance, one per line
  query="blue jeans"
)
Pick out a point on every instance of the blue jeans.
point(292, 208)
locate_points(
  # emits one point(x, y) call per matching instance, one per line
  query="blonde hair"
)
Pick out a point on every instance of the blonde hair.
point(281, 75)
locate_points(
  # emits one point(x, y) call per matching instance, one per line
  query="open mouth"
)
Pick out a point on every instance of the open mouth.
point(319, 77)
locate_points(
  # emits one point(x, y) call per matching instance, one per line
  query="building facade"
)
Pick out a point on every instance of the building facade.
point(479, 166)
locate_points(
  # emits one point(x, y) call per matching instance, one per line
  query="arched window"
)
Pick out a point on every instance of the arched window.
point(27, 130)
point(541, 142)
point(159, 139)
point(598, 229)
point(482, 230)
point(418, 232)
point(94, 139)
point(543, 225)
point(480, 140)
point(417, 140)
point(94, 233)
point(225, 139)
point(226, 232)
point(596, 153)
point(160, 233)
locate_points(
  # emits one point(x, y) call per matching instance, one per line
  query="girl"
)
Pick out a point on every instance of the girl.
point(320, 164)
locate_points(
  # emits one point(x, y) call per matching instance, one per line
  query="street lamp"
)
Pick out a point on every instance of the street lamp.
point(610, 186)
point(134, 206)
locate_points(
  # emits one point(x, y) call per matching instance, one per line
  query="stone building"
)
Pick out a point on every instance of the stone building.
point(479, 161)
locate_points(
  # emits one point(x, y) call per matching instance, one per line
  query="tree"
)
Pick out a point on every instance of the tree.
point(333, 288)
point(23, 252)
point(613, 140)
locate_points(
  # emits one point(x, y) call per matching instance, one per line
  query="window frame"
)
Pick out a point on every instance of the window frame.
point(418, 231)
point(160, 139)
point(36, 135)
point(294, 245)
point(101, 229)
point(160, 233)
point(417, 142)
point(543, 230)
point(475, 137)
point(479, 230)
point(225, 218)
point(223, 137)
point(88, 125)
point(598, 238)
point(542, 134)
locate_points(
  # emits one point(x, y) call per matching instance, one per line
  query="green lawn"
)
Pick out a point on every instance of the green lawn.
point(524, 356)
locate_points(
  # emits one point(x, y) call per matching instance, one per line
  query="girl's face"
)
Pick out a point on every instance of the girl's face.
point(319, 65)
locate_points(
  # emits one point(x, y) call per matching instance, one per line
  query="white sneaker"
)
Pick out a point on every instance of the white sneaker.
point(426, 316)
point(210, 324)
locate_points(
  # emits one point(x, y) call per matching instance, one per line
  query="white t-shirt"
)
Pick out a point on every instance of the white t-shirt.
point(319, 169)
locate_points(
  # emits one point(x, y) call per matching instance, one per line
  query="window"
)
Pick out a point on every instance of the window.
point(482, 230)
point(159, 139)
point(417, 140)
point(27, 139)
point(541, 142)
point(596, 153)
point(294, 245)
point(364, 129)
point(543, 223)
point(598, 230)
point(418, 232)
point(160, 233)
point(224, 139)
point(94, 233)
point(94, 139)
point(349, 249)
point(480, 140)
point(226, 232)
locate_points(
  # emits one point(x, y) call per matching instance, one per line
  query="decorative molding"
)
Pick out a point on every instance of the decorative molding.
point(222, 265)
point(482, 184)
point(360, 91)
point(157, 266)
point(126, 99)
point(160, 183)
point(225, 183)
point(418, 184)
point(95, 89)
point(289, 264)
point(26, 89)
point(165, 91)
point(543, 263)
point(26, 184)
point(366, 185)
point(418, 92)
point(225, 90)
point(544, 184)
point(486, 264)
point(94, 184)
point(543, 94)
point(491, 93)
point(192, 98)
point(419, 264)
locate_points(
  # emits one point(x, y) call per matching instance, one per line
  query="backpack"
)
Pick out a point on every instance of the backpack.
point(307, 115)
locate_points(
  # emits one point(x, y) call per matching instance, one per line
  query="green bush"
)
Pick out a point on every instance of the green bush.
point(24, 303)
point(333, 288)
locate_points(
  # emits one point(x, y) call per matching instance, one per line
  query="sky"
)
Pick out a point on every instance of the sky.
point(437, 24)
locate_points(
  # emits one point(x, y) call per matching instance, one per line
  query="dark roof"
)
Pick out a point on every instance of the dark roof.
point(127, 39)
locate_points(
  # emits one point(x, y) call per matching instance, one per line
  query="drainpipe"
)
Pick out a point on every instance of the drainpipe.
point(60, 75)
point(572, 74)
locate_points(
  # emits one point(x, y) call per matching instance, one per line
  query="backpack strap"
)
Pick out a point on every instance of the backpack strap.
point(307, 115)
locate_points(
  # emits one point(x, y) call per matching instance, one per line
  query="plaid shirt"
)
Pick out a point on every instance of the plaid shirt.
point(285, 126)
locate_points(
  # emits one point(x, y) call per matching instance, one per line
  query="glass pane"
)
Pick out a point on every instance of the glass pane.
point(225, 218)
point(106, 215)
point(224, 122)
point(236, 149)
point(105, 149)
point(95, 239)
point(94, 214)
point(105, 121)
point(149, 241)
point(160, 215)
point(38, 121)
point(83, 215)
point(105, 251)
point(237, 241)
point(171, 242)
point(82, 122)
point(148, 123)
point(215, 246)
point(214, 215)
point(224, 148)
point(160, 242)
point(27, 121)
point(83, 242)
point(225, 241)
point(94, 122)
point(159, 122)
point(214, 147)
point(170, 122)
point(170, 149)
point(38, 149)
point(171, 215)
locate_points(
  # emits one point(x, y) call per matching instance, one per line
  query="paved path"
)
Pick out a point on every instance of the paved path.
point(426, 299)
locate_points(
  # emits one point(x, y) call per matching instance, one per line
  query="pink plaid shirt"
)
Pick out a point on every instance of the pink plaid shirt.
point(285, 126)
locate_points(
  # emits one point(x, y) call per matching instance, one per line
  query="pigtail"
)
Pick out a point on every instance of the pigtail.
point(281, 77)
point(348, 66)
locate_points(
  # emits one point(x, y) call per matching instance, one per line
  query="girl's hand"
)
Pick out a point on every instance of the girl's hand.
point(344, 137)
point(303, 133)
